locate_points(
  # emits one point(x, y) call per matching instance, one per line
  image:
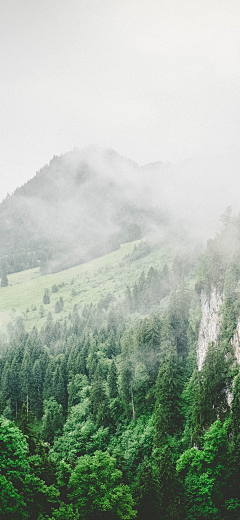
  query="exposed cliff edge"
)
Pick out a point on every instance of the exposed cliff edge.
point(235, 341)
point(210, 323)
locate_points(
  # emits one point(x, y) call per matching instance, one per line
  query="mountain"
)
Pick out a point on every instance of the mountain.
point(120, 378)
point(87, 202)
point(80, 206)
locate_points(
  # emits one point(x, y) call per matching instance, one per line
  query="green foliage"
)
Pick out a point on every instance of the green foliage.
point(52, 421)
point(146, 492)
point(168, 413)
point(96, 489)
point(207, 392)
point(112, 381)
point(205, 474)
point(14, 468)
point(170, 492)
point(120, 377)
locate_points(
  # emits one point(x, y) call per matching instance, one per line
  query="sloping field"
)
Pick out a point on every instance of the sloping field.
point(82, 285)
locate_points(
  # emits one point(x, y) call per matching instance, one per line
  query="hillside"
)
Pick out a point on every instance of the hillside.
point(120, 375)
point(88, 202)
point(135, 393)
point(79, 207)
point(84, 284)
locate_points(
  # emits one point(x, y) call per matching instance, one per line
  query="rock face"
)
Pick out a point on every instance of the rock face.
point(235, 341)
point(210, 323)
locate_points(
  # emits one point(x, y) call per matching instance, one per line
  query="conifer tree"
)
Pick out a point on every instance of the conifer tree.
point(99, 400)
point(112, 381)
point(6, 391)
point(48, 381)
point(15, 386)
point(146, 492)
point(59, 386)
point(170, 491)
point(214, 380)
point(52, 422)
point(168, 399)
point(46, 297)
point(75, 319)
point(37, 389)
point(26, 378)
point(235, 407)
point(4, 279)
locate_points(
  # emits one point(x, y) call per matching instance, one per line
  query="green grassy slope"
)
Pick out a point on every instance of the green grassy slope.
point(83, 284)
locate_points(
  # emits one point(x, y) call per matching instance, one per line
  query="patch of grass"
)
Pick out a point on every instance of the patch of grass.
point(80, 285)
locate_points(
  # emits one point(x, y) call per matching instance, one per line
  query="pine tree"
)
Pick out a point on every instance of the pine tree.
point(214, 380)
point(235, 407)
point(99, 400)
point(37, 389)
point(59, 384)
point(52, 421)
point(4, 279)
point(170, 492)
point(46, 297)
point(146, 493)
point(75, 319)
point(48, 380)
point(112, 381)
point(26, 378)
point(168, 399)
point(234, 486)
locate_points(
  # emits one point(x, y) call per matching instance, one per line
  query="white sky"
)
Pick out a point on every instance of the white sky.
point(153, 79)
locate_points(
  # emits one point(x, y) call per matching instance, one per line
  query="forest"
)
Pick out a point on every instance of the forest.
point(106, 415)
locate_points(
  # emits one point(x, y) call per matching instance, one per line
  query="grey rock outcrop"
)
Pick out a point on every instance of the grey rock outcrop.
point(210, 323)
point(235, 341)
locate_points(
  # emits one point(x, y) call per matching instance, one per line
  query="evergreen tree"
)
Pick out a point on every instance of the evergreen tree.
point(7, 402)
point(37, 389)
point(168, 399)
point(59, 384)
point(214, 381)
point(146, 493)
point(99, 400)
point(52, 421)
point(4, 279)
point(112, 381)
point(48, 381)
point(46, 297)
point(59, 305)
point(234, 465)
point(170, 491)
point(14, 472)
point(26, 378)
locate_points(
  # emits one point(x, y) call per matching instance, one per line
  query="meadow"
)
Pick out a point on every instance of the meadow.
point(83, 284)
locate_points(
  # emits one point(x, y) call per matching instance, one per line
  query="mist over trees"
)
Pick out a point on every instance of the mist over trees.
point(105, 412)
point(87, 202)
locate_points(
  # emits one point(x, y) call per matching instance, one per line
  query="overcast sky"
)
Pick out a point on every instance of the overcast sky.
point(155, 80)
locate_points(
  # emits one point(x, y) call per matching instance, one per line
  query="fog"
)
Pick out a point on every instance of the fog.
point(156, 81)
point(89, 201)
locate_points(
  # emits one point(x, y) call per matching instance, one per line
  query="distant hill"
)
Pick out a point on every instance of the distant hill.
point(86, 203)
point(80, 206)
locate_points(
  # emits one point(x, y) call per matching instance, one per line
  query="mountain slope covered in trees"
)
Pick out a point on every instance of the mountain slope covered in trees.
point(106, 415)
point(78, 207)
point(105, 411)
point(87, 202)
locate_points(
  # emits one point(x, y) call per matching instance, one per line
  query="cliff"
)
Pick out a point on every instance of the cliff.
point(236, 342)
point(210, 323)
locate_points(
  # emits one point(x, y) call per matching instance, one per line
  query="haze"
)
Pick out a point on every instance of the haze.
point(156, 80)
